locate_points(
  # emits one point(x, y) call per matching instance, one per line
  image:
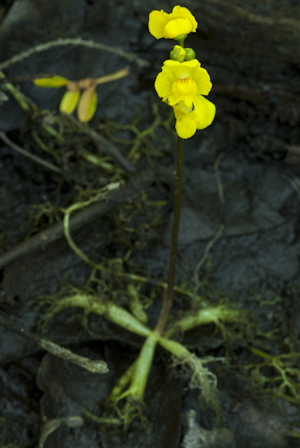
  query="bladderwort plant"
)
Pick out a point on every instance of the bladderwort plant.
point(181, 84)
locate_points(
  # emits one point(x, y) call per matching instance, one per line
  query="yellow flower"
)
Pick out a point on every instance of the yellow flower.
point(87, 101)
point(179, 22)
point(181, 85)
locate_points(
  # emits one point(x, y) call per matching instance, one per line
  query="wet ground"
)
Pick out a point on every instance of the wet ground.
point(239, 233)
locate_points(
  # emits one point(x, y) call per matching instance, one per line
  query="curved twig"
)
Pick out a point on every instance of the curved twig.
point(131, 191)
point(85, 43)
point(105, 145)
point(96, 366)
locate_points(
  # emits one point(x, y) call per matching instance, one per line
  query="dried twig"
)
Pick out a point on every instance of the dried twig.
point(131, 191)
point(219, 232)
point(55, 349)
point(78, 41)
point(105, 145)
point(293, 154)
point(22, 151)
point(51, 425)
point(243, 14)
point(25, 78)
point(294, 181)
point(206, 252)
point(218, 178)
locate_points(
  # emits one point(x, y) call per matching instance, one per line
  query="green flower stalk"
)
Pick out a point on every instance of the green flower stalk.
point(168, 298)
point(181, 84)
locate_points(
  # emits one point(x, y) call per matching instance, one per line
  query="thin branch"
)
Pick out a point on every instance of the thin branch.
point(105, 145)
point(22, 151)
point(294, 181)
point(202, 260)
point(247, 16)
point(131, 191)
point(51, 425)
point(219, 232)
point(55, 349)
point(18, 79)
point(85, 43)
point(218, 178)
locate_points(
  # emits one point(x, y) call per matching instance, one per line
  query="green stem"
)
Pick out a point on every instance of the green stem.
point(181, 39)
point(168, 297)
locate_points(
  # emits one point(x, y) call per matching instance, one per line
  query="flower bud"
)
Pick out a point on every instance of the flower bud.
point(87, 105)
point(190, 54)
point(52, 82)
point(69, 101)
point(178, 53)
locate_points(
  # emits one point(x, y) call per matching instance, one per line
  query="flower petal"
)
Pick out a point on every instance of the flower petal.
point(181, 11)
point(192, 63)
point(87, 105)
point(69, 101)
point(177, 27)
point(202, 79)
point(163, 83)
point(157, 21)
point(180, 21)
point(52, 82)
point(170, 63)
point(185, 125)
point(181, 69)
point(183, 104)
point(204, 112)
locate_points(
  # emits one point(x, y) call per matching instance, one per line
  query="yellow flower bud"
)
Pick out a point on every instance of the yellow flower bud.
point(178, 53)
point(52, 82)
point(87, 105)
point(69, 101)
point(190, 54)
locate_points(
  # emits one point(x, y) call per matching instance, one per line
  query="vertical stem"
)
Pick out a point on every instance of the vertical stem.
point(168, 297)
